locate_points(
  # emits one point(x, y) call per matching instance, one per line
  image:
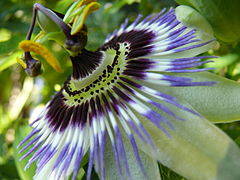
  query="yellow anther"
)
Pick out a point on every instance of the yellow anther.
point(80, 19)
point(21, 62)
point(84, 2)
point(75, 10)
point(31, 46)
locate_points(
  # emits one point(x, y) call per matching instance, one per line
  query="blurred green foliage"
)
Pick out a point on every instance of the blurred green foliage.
point(19, 94)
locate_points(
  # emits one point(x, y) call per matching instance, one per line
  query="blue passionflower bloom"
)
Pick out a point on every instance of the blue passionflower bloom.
point(107, 93)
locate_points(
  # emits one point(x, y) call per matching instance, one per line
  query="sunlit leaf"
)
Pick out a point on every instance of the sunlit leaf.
point(223, 61)
point(11, 44)
point(113, 8)
point(81, 173)
point(8, 60)
point(21, 99)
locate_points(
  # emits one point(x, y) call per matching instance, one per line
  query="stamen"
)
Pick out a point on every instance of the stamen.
point(21, 62)
point(75, 42)
point(80, 19)
point(31, 46)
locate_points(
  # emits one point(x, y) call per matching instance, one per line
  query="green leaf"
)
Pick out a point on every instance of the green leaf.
point(114, 8)
point(8, 171)
point(58, 37)
point(81, 173)
point(62, 5)
point(17, 106)
point(11, 44)
point(232, 129)
point(221, 14)
point(20, 133)
point(196, 149)
point(223, 61)
point(1, 144)
point(150, 164)
point(167, 174)
point(9, 60)
point(237, 140)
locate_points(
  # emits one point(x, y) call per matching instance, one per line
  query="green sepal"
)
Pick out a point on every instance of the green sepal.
point(191, 18)
point(221, 14)
point(46, 24)
point(55, 36)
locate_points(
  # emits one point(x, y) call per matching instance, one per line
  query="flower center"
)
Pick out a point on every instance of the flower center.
point(100, 79)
